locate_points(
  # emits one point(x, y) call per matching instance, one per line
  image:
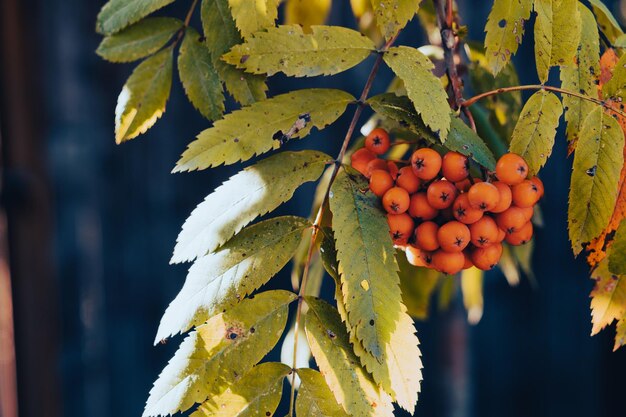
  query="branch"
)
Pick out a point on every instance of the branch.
point(181, 31)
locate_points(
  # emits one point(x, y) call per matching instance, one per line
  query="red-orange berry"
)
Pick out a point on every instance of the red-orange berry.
point(441, 194)
point(360, 158)
point(506, 197)
point(539, 184)
point(453, 236)
point(378, 141)
point(407, 180)
point(528, 212)
point(487, 257)
point(501, 235)
point(393, 169)
point(426, 236)
point(484, 232)
point(468, 259)
point(525, 194)
point(396, 200)
point(455, 166)
point(511, 220)
point(375, 164)
point(521, 236)
point(448, 262)
point(463, 212)
point(400, 227)
point(426, 163)
point(483, 196)
point(380, 182)
point(511, 169)
point(418, 257)
point(420, 209)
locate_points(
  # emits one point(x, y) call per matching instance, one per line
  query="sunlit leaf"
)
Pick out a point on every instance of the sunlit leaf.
point(234, 340)
point(620, 334)
point(315, 399)
point(607, 22)
point(326, 50)
point(263, 126)
point(472, 289)
point(253, 15)
point(393, 15)
point(307, 13)
point(139, 40)
point(118, 14)
point(252, 192)
point(608, 298)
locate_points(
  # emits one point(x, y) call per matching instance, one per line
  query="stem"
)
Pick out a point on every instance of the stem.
point(187, 20)
point(320, 212)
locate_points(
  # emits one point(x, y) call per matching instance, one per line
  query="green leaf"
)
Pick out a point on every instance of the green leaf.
point(143, 97)
point(234, 340)
point(461, 138)
point(352, 387)
point(118, 14)
point(199, 77)
point(252, 192)
point(597, 164)
point(253, 15)
point(393, 15)
point(315, 399)
point(256, 394)
point(608, 297)
point(287, 49)
point(261, 127)
point(220, 279)
point(221, 34)
point(139, 40)
point(607, 22)
point(557, 33)
point(417, 286)
point(583, 77)
point(617, 255)
point(307, 13)
point(533, 137)
point(423, 88)
point(505, 28)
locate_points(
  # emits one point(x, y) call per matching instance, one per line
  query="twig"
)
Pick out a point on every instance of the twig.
point(187, 20)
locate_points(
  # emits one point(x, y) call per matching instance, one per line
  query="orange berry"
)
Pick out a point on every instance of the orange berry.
point(393, 169)
point(528, 212)
point(468, 259)
point(463, 212)
point(511, 169)
point(400, 227)
point(378, 141)
point(483, 196)
point(455, 166)
point(441, 194)
point(360, 158)
point(501, 235)
point(484, 232)
point(375, 164)
point(407, 180)
point(506, 197)
point(418, 257)
point(396, 200)
point(448, 262)
point(453, 236)
point(539, 184)
point(525, 194)
point(426, 163)
point(380, 182)
point(446, 214)
point(523, 235)
point(420, 209)
point(512, 219)
point(426, 236)
point(488, 257)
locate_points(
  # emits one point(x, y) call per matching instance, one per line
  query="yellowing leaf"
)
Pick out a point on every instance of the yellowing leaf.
point(252, 192)
point(139, 40)
point(234, 340)
point(607, 22)
point(253, 15)
point(307, 13)
point(117, 14)
point(472, 289)
point(608, 61)
point(263, 126)
point(143, 97)
point(597, 164)
point(352, 387)
point(221, 34)
point(256, 394)
point(617, 257)
point(423, 88)
point(327, 50)
point(393, 15)
point(583, 77)
point(620, 334)
point(199, 77)
point(222, 278)
point(608, 298)
point(557, 33)
point(533, 137)
point(505, 28)
point(615, 87)
point(315, 399)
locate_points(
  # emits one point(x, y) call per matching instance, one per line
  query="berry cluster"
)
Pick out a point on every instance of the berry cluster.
point(440, 215)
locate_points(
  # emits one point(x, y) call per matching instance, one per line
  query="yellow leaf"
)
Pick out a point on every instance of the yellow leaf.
point(315, 399)
point(393, 15)
point(505, 28)
point(472, 289)
point(307, 13)
point(253, 15)
point(608, 298)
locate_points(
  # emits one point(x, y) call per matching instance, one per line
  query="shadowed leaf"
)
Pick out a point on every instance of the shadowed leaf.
point(118, 14)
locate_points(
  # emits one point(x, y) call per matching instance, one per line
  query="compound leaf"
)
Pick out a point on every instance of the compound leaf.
point(608, 297)
point(423, 88)
point(252, 192)
point(256, 394)
point(393, 15)
point(596, 171)
point(533, 136)
point(326, 50)
point(263, 126)
point(118, 14)
point(253, 15)
point(229, 340)
point(606, 21)
point(315, 399)
point(505, 28)
point(199, 77)
point(220, 279)
point(307, 13)
point(139, 40)
point(143, 97)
